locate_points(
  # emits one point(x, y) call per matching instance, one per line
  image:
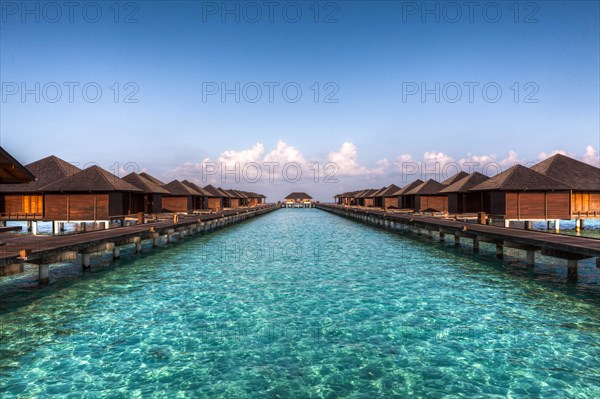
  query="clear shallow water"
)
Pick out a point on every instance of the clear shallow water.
point(302, 303)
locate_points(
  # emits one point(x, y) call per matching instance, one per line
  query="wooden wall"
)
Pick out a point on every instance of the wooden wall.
point(213, 203)
point(585, 202)
point(391, 202)
point(234, 203)
point(76, 206)
point(176, 204)
point(22, 203)
point(537, 205)
point(437, 202)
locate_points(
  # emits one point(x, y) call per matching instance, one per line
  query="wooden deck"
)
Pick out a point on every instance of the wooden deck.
point(572, 248)
point(43, 249)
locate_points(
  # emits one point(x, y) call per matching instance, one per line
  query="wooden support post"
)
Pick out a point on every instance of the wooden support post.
point(430, 234)
point(34, 228)
point(499, 251)
point(155, 238)
point(44, 274)
point(506, 223)
point(61, 227)
point(572, 270)
point(528, 225)
point(181, 234)
point(54, 228)
point(475, 244)
point(557, 226)
point(577, 225)
point(442, 235)
point(138, 245)
point(456, 241)
point(85, 261)
point(548, 225)
point(116, 252)
point(29, 225)
point(598, 263)
point(581, 223)
point(530, 257)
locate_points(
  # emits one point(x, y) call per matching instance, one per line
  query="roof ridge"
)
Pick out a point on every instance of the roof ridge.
point(511, 171)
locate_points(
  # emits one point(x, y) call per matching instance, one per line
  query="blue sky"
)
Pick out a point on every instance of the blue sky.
point(365, 55)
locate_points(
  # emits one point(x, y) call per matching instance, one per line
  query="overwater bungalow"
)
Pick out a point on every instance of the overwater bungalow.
point(298, 200)
point(254, 199)
point(199, 201)
point(583, 178)
point(406, 200)
point(460, 199)
point(520, 193)
point(92, 194)
point(387, 198)
point(234, 198)
point(366, 198)
point(11, 170)
point(427, 197)
point(25, 201)
point(181, 197)
point(243, 197)
point(214, 200)
point(151, 200)
point(226, 197)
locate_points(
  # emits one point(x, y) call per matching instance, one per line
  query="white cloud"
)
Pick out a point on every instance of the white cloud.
point(542, 155)
point(434, 157)
point(346, 160)
point(284, 153)
point(232, 157)
point(591, 156)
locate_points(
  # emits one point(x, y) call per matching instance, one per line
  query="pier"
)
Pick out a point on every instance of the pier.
point(570, 248)
point(46, 250)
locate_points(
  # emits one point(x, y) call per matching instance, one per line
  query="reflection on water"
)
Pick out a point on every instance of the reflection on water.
point(303, 303)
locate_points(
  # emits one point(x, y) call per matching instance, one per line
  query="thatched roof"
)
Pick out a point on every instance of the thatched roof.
point(367, 193)
point(409, 187)
point(377, 193)
point(233, 194)
point(147, 186)
point(453, 179)
point(242, 194)
point(389, 191)
point(466, 183)
point(430, 187)
point(178, 189)
point(520, 178)
point(47, 170)
point(11, 170)
point(579, 175)
point(92, 179)
point(298, 195)
point(224, 192)
point(196, 188)
point(212, 191)
point(152, 179)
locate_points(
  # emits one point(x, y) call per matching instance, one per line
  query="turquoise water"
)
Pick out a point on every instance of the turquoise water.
point(303, 303)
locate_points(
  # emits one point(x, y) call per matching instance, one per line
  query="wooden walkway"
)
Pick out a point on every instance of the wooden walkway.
point(44, 250)
point(572, 248)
